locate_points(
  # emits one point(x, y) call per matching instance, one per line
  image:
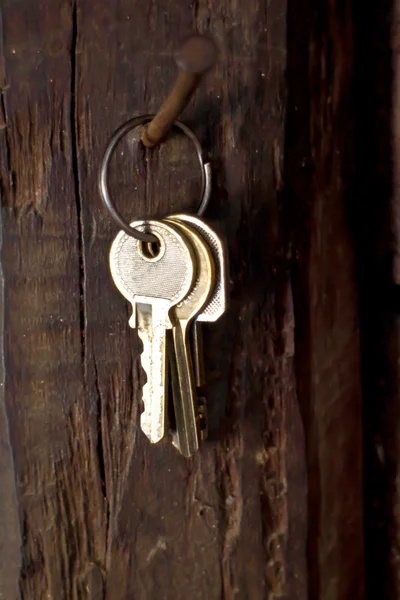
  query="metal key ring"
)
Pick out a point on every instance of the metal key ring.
point(103, 175)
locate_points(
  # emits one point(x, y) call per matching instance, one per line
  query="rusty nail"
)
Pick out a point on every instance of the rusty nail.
point(196, 56)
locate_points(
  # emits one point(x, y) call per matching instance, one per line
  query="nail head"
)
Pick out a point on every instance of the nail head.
point(197, 54)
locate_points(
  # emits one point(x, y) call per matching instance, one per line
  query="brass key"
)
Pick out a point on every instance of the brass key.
point(188, 432)
point(217, 302)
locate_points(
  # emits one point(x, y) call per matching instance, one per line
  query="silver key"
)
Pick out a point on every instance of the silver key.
point(188, 433)
point(218, 300)
point(153, 284)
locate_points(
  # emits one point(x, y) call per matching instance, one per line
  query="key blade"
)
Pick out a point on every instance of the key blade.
point(187, 437)
point(151, 331)
point(196, 335)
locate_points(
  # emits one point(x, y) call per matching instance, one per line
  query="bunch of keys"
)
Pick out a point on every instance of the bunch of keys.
point(174, 273)
point(173, 286)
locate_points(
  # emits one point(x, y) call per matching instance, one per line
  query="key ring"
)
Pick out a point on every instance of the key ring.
point(103, 175)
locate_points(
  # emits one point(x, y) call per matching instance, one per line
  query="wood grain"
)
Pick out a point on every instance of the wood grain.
point(320, 183)
point(93, 510)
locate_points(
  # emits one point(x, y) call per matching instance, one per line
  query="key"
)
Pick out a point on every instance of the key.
point(217, 302)
point(153, 282)
point(187, 416)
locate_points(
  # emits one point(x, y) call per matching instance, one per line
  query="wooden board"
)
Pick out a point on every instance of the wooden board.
point(271, 505)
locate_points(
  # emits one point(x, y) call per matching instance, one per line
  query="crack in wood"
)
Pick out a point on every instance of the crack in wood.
point(78, 195)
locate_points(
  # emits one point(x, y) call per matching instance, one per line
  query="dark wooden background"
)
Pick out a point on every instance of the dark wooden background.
point(295, 496)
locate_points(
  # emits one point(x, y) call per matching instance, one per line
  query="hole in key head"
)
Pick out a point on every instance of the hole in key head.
point(151, 251)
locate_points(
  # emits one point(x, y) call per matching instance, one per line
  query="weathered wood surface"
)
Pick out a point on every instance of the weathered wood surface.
point(272, 505)
point(320, 186)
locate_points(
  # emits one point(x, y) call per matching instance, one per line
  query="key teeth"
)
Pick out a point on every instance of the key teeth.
point(145, 358)
point(154, 434)
point(203, 417)
point(132, 320)
point(154, 430)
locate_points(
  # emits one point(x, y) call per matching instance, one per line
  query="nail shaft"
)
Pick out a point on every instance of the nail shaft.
point(196, 56)
point(183, 89)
